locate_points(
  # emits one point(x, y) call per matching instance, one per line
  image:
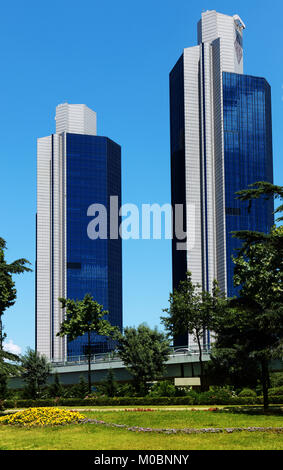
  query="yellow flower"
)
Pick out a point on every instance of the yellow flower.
point(42, 417)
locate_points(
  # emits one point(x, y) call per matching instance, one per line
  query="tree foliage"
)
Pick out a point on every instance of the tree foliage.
point(144, 352)
point(108, 386)
point(265, 190)
point(81, 388)
point(35, 372)
point(8, 291)
point(191, 309)
point(55, 389)
point(230, 365)
point(9, 364)
point(252, 327)
point(85, 317)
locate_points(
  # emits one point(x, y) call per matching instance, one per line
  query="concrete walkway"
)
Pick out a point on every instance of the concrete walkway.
point(138, 408)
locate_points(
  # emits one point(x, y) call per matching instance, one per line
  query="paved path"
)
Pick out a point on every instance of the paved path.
point(277, 430)
point(103, 409)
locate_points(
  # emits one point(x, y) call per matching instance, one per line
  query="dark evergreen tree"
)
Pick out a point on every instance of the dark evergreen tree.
point(56, 389)
point(108, 386)
point(35, 371)
point(252, 328)
point(8, 291)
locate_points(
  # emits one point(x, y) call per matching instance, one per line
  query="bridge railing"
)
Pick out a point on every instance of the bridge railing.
point(114, 357)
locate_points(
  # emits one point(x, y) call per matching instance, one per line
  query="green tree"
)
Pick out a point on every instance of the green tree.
point(191, 309)
point(232, 366)
point(144, 352)
point(258, 270)
point(3, 387)
point(81, 389)
point(251, 328)
point(9, 368)
point(265, 190)
point(164, 388)
point(85, 317)
point(35, 371)
point(109, 386)
point(259, 274)
point(246, 334)
point(8, 291)
point(56, 389)
point(125, 390)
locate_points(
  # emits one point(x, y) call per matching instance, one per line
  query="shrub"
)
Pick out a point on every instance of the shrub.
point(276, 391)
point(108, 386)
point(80, 390)
point(163, 389)
point(9, 404)
point(247, 392)
point(125, 390)
point(276, 379)
point(206, 398)
point(214, 396)
point(55, 389)
point(34, 403)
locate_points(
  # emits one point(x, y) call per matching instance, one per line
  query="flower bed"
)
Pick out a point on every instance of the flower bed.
point(42, 417)
point(139, 409)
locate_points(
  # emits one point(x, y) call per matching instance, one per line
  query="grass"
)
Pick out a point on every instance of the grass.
point(99, 437)
point(188, 419)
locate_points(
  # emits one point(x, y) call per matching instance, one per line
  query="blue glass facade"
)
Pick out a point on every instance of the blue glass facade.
point(178, 165)
point(178, 172)
point(247, 157)
point(93, 174)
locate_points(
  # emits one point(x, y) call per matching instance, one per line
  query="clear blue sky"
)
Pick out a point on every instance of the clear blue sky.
point(114, 56)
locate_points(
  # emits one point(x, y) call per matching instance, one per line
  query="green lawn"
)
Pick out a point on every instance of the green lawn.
point(187, 419)
point(99, 437)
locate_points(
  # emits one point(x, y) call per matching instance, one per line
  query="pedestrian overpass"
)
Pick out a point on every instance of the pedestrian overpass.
point(183, 363)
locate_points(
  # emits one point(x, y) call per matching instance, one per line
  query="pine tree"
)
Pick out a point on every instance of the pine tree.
point(8, 291)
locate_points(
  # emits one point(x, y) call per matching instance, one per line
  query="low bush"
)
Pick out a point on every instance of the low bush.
point(163, 389)
point(195, 399)
point(275, 391)
point(248, 392)
point(276, 379)
point(214, 396)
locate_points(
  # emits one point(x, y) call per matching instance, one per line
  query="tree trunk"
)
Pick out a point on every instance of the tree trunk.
point(89, 363)
point(265, 381)
point(200, 363)
point(1, 337)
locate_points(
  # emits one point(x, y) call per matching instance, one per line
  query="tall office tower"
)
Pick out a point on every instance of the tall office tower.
point(76, 169)
point(221, 141)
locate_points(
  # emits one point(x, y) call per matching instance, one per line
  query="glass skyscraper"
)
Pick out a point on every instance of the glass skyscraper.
point(221, 141)
point(247, 157)
point(76, 169)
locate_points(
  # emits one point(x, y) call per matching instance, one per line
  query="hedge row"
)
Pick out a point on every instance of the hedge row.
point(140, 401)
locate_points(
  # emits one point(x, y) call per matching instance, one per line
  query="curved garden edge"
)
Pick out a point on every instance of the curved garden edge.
point(185, 430)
